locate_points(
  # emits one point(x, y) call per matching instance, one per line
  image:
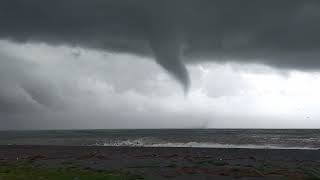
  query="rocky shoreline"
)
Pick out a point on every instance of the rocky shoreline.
point(172, 163)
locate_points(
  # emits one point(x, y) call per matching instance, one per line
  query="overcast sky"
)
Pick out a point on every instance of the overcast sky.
point(121, 64)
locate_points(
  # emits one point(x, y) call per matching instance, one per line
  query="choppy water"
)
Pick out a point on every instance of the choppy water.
point(211, 138)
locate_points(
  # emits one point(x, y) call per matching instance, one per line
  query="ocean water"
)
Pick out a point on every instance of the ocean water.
point(208, 138)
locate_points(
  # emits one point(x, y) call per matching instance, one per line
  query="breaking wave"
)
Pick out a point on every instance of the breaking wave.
point(145, 142)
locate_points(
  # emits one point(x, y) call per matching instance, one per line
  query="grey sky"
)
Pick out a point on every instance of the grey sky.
point(50, 87)
point(92, 63)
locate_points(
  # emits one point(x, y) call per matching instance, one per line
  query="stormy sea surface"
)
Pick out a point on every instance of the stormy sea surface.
point(201, 138)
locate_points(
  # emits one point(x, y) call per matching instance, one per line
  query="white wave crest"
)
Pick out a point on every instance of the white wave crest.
point(145, 142)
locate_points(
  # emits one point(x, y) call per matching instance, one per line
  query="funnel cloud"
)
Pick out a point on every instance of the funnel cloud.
point(282, 34)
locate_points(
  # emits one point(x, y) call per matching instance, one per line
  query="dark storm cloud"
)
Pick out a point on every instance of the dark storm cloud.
point(280, 33)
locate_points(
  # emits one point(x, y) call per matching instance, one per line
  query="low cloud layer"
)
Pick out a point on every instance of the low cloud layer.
point(51, 87)
point(279, 33)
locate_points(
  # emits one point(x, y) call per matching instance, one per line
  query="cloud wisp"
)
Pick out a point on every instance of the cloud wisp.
point(280, 33)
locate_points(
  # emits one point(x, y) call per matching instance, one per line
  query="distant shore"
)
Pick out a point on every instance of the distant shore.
point(171, 163)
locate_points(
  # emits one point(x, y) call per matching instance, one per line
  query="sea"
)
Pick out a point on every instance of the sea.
point(196, 138)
